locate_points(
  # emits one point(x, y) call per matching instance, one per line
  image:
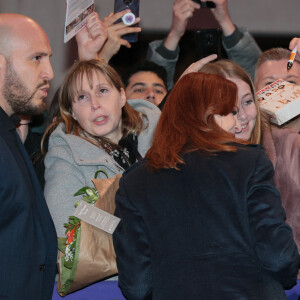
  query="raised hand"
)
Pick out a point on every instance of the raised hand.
point(196, 66)
point(295, 41)
point(222, 16)
point(91, 38)
point(182, 11)
point(115, 33)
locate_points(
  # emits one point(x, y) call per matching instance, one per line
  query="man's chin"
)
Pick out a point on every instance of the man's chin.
point(40, 108)
point(36, 109)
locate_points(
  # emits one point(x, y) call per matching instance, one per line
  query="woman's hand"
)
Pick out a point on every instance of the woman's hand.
point(222, 16)
point(91, 38)
point(196, 66)
point(115, 33)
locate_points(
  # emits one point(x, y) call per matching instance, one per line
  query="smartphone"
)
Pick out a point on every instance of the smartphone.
point(207, 4)
point(134, 6)
point(208, 41)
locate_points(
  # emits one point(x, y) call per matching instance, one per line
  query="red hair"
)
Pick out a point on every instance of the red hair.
point(187, 121)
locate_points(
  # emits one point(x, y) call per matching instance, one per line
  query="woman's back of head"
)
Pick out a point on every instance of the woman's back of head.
point(187, 122)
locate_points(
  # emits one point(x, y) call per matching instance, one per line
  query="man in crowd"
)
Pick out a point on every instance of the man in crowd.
point(146, 80)
point(264, 67)
point(28, 239)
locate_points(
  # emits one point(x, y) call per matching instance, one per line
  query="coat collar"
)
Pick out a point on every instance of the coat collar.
point(6, 122)
point(83, 152)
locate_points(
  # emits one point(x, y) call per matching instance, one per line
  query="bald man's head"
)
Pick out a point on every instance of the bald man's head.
point(5, 45)
point(25, 69)
point(16, 27)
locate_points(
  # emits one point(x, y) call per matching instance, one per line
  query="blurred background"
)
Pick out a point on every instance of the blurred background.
point(272, 22)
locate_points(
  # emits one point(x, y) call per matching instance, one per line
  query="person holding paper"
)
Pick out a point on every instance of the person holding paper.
point(179, 236)
point(114, 40)
point(263, 67)
point(271, 66)
point(144, 80)
point(92, 37)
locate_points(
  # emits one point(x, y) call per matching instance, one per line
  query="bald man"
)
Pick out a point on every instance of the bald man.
point(28, 247)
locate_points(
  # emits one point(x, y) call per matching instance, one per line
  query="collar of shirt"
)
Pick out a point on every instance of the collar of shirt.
point(7, 122)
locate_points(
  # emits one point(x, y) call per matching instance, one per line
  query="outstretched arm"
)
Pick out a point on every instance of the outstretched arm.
point(165, 52)
point(221, 14)
point(182, 11)
point(239, 45)
point(196, 66)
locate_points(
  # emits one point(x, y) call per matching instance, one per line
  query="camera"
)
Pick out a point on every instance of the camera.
point(207, 4)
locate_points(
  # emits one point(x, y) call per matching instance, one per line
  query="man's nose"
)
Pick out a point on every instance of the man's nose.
point(47, 73)
point(150, 95)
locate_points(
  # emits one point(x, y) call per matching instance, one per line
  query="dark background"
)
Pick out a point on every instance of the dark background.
point(193, 46)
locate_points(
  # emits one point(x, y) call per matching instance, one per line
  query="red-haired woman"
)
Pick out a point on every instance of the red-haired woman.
point(200, 216)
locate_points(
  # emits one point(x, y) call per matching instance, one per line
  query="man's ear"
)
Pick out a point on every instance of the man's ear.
point(2, 69)
point(2, 64)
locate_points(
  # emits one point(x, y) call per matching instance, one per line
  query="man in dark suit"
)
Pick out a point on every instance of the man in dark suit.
point(28, 245)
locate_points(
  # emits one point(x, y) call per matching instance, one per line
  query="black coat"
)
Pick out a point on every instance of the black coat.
point(28, 243)
point(213, 230)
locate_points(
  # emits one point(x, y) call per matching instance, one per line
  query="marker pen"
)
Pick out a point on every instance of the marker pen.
point(292, 58)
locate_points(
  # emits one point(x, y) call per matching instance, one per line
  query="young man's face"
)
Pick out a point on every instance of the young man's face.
point(146, 85)
point(273, 70)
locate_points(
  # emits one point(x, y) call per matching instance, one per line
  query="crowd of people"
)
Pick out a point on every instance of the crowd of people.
point(208, 198)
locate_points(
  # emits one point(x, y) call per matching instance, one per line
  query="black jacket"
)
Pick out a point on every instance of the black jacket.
point(28, 243)
point(213, 230)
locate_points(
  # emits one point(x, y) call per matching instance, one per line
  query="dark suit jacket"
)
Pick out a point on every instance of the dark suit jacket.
point(213, 230)
point(28, 243)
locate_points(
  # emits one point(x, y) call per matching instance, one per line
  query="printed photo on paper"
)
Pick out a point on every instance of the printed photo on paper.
point(281, 99)
point(76, 14)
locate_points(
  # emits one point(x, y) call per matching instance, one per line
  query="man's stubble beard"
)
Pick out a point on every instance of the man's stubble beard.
point(18, 96)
